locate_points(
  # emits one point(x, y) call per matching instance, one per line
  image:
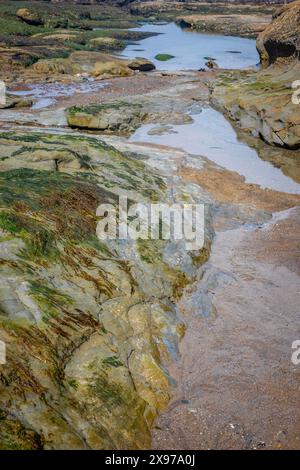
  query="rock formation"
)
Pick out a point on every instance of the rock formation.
point(281, 39)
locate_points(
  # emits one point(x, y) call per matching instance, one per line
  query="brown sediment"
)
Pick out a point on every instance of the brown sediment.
point(230, 187)
point(237, 387)
point(113, 88)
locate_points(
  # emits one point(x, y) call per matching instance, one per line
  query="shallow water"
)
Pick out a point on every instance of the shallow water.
point(46, 94)
point(212, 136)
point(192, 49)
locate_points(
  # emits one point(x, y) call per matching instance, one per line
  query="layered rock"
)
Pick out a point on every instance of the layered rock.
point(262, 102)
point(113, 117)
point(124, 117)
point(172, 8)
point(230, 24)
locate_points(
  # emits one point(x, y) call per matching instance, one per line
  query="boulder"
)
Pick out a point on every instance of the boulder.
point(280, 41)
point(211, 64)
point(141, 64)
point(111, 68)
point(29, 17)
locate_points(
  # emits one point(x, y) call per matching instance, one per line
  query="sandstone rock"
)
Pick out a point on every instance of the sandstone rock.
point(76, 313)
point(112, 68)
point(29, 16)
point(262, 102)
point(231, 24)
point(124, 117)
point(281, 39)
point(116, 116)
point(141, 64)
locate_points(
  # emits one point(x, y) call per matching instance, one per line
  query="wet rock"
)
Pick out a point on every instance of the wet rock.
point(16, 102)
point(124, 117)
point(262, 104)
point(94, 319)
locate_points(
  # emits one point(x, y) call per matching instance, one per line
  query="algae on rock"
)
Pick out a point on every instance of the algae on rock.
point(88, 324)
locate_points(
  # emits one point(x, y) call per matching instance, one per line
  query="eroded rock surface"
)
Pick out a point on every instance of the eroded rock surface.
point(262, 104)
point(125, 116)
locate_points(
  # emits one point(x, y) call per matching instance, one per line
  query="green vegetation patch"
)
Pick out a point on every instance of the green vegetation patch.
point(111, 393)
point(112, 361)
point(164, 57)
point(51, 301)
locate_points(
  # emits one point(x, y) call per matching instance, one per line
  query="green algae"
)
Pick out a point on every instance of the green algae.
point(164, 57)
point(111, 393)
point(98, 108)
point(10, 222)
point(51, 301)
point(112, 361)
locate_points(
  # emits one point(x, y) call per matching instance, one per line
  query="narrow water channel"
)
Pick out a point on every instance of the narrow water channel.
point(212, 136)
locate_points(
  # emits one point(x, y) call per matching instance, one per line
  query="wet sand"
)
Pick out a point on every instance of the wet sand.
point(236, 385)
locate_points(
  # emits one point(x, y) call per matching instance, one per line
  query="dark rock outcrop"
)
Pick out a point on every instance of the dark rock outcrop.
point(141, 64)
point(29, 17)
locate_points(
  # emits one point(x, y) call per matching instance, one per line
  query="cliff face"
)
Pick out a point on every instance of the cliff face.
point(280, 41)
